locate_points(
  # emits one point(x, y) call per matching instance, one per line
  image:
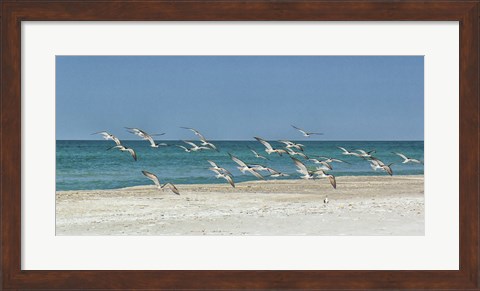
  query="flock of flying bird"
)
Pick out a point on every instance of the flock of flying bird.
point(289, 148)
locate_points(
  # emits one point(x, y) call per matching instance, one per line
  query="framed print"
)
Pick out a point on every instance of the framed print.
point(228, 145)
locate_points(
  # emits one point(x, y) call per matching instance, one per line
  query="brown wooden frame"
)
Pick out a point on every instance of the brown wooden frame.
point(13, 12)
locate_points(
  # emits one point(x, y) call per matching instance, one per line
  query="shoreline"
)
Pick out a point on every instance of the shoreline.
point(339, 178)
point(361, 205)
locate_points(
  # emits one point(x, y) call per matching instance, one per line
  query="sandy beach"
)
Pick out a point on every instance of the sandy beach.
point(370, 205)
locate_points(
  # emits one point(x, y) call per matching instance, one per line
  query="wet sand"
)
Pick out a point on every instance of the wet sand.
point(370, 205)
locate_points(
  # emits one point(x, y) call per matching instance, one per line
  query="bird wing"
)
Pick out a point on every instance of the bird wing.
point(303, 169)
point(286, 142)
point(132, 152)
point(209, 144)
point(226, 171)
point(343, 149)
point(401, 155)
point(332, 180)
point(387, 169)
point(256, 174)
point(326, 164)
point(196, 132)
point(212, 163)
point(180, 146)
point(362, 152)
point(230, 180)
point(374, 162)
point(150, 139)
point(115, 139)
point(299, 129)
point(116, 147)
point(190, 143)
point(238, 161)
point(265, 143)
point(172, 187)
point(152, 177)
point(135, 131)
point(105, 134)
point(215, 170)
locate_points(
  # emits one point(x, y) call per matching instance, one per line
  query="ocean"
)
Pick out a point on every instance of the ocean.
point(87, 165)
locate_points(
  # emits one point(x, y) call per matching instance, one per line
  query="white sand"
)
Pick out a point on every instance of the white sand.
point(379, 205)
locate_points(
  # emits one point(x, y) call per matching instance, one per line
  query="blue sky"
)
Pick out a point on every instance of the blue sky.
point(238, 97)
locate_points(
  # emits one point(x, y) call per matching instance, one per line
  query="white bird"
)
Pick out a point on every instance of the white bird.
point(146, 136)
point(291, 152)
point(224, 176)
point(331, 160)
point(407, 159)
point(201, 137)
point(125, 149)
point(365, 154)
point(377, 164)
point(325, 200)
point(155, 180)
point(108, 136)
point(268, 147)
point(196, 148)
point(220, 169)
point(326, 164)
point(331, 178)
point(348, 153)
point(302, 169)
point(323, 168)
point(258, 167)
point(276, 174)
point(243, 167)
point(291, 144)
point(305, 133)
point(184, 148)
point(257, 155)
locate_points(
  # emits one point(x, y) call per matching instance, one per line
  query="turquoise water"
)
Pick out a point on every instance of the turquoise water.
point(83, 165)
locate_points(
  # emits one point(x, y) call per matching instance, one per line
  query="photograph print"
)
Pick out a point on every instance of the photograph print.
point(240, 145)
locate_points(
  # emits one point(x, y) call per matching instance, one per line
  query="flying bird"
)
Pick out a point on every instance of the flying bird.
point(291, 152)
point(196, 148)
point(125, 149)
point(184, 148)
point(155, 180)
point(331, 178)
point(331, 160)
point(243, 167)
point(326, 164)
point(377, 164)
point(257, 155)
point(224, 176)
point(275, 173)
point(291, 144)
point(349, 153)
point(407, 159)
point(365, 154)
point(217, 168)
point(302, 169)
point(146, 136)
point(305, 133)
point(268, 147)
point(202, 138)
point(108, 136)
point(258, 167)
